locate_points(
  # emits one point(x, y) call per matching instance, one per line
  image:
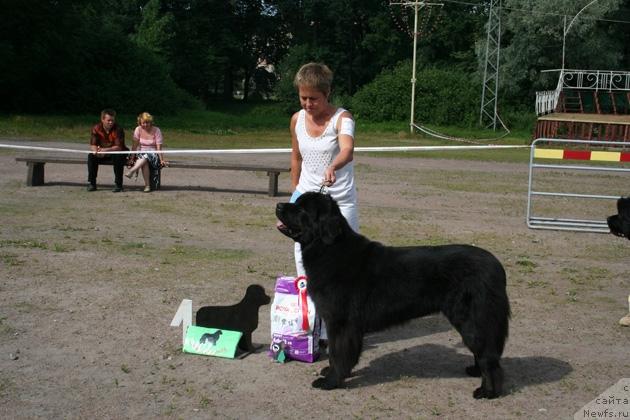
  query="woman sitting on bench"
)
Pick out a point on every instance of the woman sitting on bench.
point(146, 137)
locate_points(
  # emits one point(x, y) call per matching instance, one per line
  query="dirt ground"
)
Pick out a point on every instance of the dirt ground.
point(89, 283)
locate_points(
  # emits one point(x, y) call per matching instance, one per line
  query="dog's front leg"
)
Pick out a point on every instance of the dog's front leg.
point(344, 348)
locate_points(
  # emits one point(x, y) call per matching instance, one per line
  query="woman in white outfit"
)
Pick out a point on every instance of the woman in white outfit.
point(322, 146)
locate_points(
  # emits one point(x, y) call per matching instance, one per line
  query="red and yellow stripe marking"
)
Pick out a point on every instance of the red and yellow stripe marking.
point(581, 155)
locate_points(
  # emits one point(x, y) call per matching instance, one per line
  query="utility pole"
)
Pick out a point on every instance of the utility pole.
point(417, 5)
point(490, 87)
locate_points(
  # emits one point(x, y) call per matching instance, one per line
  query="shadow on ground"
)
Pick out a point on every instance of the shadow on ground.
point(133, 187)
point(438, 361)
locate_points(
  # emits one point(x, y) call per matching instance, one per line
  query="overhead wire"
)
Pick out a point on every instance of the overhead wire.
point(514, 9)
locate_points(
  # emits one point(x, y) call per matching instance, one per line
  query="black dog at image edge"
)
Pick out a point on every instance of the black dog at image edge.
point(619, 223)
point(359, 286)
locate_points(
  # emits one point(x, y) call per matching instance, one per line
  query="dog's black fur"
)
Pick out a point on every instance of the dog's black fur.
point(359, 286)
point(241, 317)
point(619, 223)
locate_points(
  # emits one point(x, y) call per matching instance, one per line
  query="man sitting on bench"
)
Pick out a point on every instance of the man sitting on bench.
point(107, 136)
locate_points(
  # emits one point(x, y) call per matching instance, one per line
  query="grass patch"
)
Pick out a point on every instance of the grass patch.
point(526, 265)
point(239, 125)
point(180, 252)
point(10, 260)
point(5, 329)
point(588, 277)
point(133, 245)
point(61, 248)
point(5, 385)
point(533, 284)
point(16, 243)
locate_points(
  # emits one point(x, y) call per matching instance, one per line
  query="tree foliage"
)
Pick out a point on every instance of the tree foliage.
point(533, 41)
point(66, 56)
point(61, 57)
point(443, 96)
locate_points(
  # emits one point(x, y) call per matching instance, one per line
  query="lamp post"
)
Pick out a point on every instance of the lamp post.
point(566, 29)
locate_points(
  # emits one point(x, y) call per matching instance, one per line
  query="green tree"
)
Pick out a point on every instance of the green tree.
point(58, 56)
point(336, 32)
point(533, 42)
point(359, 39)
point(155, 31)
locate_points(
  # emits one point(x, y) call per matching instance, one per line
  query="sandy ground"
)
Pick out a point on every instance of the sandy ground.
point(89, 283)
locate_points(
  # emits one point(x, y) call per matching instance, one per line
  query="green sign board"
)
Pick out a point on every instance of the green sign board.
point(211, 341)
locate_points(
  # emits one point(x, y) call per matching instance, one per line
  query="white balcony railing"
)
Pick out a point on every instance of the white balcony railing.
point(595, 80)
point(546, 101)
point(608, 80)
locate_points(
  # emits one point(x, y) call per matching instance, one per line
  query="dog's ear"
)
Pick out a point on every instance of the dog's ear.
point(331, 229)
point(331, 225)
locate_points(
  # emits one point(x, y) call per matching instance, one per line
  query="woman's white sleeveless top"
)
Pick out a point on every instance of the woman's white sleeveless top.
point(317, 154)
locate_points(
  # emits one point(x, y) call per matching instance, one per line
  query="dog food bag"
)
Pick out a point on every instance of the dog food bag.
point(294, 323)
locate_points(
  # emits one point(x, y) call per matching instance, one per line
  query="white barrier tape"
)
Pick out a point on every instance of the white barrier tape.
point(271, 151)
point(437, 148)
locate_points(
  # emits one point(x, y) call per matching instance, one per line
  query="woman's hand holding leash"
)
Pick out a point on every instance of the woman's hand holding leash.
point(329, 176)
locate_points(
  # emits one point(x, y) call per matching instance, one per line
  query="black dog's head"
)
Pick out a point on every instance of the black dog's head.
point(256, 295)
point(619, 223)
point(313, 216)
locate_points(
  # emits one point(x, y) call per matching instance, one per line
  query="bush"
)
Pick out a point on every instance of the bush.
point(126, 77)
point(443, 97)
point(519, 118)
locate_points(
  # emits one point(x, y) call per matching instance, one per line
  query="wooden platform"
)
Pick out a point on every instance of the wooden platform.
point(587, 118)
point(579, 126)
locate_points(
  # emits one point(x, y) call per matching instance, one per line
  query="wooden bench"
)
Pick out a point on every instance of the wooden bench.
point(35, 172)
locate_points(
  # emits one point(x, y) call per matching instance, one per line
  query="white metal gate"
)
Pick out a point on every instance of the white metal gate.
point(614, 158)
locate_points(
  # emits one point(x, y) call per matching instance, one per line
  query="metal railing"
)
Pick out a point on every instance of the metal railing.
point(608, 80)
point(572, 224)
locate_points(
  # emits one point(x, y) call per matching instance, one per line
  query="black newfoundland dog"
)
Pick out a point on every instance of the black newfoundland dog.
point(619, 223)
point(360, 286)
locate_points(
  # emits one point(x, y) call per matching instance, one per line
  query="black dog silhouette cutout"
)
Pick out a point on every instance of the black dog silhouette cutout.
point(242, 317)
point(619, 223)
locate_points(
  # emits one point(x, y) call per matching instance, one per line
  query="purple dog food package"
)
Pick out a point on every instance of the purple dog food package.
point(295, 327)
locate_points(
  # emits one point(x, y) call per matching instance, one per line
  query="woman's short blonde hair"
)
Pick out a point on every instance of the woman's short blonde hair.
point(314, 75)
point(145, 117)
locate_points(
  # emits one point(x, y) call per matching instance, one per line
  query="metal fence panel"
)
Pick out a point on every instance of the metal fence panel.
point(576, 151)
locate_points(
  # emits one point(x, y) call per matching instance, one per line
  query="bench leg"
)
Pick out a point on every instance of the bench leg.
point(273, 183)
point(155, 176)
point(35, 174)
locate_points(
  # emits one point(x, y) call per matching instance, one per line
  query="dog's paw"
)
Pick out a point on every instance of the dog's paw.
point(482, 393)
point(323, 383)
point(324, 371)
point(473, 371)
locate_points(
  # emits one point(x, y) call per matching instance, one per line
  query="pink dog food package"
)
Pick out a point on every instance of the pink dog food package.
point(294, 323)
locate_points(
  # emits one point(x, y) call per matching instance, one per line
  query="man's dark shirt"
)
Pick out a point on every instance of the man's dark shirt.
point(115, 137)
